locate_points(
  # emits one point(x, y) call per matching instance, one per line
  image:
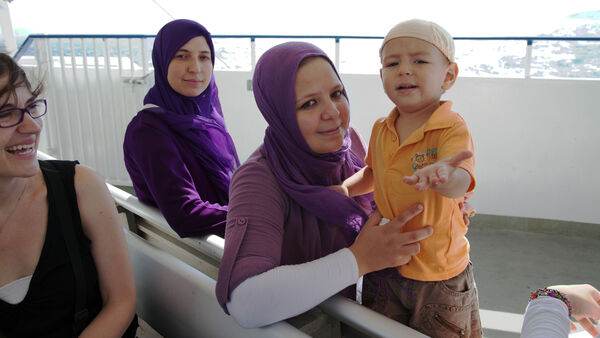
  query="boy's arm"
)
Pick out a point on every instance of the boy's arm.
point(444, 177)
point(456, 186)
point(358, 184)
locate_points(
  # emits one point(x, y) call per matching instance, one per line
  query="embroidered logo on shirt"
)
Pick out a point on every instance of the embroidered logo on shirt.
point(421, 160)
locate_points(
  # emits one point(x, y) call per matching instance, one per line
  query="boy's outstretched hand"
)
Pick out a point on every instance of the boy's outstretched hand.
point(442, 173)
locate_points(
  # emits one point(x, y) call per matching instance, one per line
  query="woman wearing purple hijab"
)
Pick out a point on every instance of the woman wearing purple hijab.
point(291, 242)
point(178, 152)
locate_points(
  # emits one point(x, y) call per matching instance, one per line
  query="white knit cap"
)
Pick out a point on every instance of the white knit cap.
point(424, 30)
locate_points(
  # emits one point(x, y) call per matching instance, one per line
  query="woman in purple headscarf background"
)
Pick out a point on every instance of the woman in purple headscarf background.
point(178, 152)
point(291, 242)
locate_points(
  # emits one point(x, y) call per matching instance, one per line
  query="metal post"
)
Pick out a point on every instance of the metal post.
point(252, 53)
point(112, 108)
point(100, 99)
point(64, 109)
point(42, 61)
point(337, 54)
point(131, 63)
point(91, 113)
point(132, 219)
point(120, 62)
point(144, 62)
point(76, 113)
point(528, 59)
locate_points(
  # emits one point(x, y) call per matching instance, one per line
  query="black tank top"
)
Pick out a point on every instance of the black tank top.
point(48, 307)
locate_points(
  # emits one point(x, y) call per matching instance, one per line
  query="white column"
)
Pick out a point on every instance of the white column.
point(7, 30)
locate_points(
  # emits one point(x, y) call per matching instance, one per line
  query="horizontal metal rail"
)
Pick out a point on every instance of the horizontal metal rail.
point(210, 248)
point(179, 301)
point(528, 39)
point(356, 316)
point(336, 37)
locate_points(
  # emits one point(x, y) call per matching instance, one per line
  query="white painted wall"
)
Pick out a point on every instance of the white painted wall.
point(536, 141)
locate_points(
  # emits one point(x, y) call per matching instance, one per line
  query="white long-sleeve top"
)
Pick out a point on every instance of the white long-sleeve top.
point(546, 317)
point(289, 290)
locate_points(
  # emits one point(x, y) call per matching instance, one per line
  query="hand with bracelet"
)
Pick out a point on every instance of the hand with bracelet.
point(585, 302)
point(542, 319)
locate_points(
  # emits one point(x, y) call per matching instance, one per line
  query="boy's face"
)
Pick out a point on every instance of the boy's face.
point(415, 74)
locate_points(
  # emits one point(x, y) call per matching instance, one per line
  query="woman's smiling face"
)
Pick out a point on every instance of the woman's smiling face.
point(322, 110)
point(19, 143)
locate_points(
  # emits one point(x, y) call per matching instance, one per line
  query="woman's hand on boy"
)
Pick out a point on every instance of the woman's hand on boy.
point(443, 176)
point(379, 247)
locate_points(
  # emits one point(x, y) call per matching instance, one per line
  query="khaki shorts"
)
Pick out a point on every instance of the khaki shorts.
point(448, 308)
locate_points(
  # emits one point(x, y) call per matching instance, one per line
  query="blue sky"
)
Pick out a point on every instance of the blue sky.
point(313, 17)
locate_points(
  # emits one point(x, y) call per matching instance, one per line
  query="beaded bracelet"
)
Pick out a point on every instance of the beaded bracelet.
point(551, 293)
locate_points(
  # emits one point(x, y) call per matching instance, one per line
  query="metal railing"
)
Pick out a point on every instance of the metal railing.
point(96, 83)
point(205, 253)
point(527, 62)
point(173, 297)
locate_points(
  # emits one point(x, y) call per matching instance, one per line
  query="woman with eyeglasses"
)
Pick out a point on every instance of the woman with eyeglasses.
point(64, 266)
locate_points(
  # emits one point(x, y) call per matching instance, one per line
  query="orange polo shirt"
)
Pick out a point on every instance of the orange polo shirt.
point(445, 254)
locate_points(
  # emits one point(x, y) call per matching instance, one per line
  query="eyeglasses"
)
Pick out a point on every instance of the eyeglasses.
point(12, 116)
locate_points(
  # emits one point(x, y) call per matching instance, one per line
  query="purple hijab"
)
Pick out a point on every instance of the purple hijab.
point(198, 119)
point(303, 174)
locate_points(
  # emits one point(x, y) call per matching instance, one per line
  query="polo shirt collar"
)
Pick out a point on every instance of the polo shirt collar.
point(442, 117)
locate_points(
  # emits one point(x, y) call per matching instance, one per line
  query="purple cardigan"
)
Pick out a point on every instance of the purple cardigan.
point(165, 175)
point(266, 228)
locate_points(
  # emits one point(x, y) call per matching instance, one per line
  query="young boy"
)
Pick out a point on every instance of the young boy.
point(422, 152)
